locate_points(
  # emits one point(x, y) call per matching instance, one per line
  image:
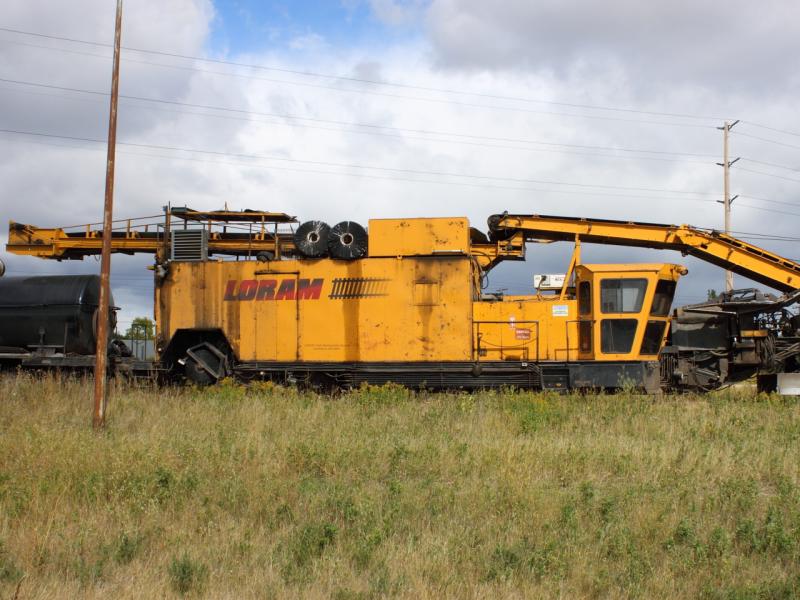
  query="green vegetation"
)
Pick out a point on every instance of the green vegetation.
point(141, 328)
point(262, 491)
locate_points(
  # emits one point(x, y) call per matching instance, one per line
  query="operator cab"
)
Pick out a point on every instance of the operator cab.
point(623, 311)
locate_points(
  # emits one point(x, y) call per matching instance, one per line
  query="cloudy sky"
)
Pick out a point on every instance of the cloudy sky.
point(374, 108)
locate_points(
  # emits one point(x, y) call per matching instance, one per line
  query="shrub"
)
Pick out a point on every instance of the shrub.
point(187, 575)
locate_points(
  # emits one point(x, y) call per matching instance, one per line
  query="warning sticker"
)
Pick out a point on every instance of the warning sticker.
point(522, 334)
point(560, 310)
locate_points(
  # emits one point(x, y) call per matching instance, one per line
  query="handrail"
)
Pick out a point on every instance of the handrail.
point(523, 346)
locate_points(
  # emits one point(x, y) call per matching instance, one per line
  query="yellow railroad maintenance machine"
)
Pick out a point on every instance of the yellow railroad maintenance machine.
point(251, 295)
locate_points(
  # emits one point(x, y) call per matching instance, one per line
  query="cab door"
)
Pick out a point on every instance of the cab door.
point(621, 303)
point(585, 320)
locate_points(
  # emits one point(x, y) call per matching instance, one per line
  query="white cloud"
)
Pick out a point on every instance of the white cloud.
point(308, 42)
point(397, 13)
point(727, 45)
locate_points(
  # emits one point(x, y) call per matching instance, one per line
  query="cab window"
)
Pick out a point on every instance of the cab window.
point(585, 336)
point(662, 300)
point(653, 333)
point(584, 298)
point(616, 335)
point(622, 295)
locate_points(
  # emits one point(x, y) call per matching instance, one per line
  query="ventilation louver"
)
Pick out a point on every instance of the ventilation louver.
point(189, 245)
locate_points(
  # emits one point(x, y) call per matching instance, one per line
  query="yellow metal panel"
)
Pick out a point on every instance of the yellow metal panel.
point(526, 328)
point(325, 310)
point(418, 237)
point(426, 293)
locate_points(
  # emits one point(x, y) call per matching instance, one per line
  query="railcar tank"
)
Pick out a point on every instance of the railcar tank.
point(55, 314)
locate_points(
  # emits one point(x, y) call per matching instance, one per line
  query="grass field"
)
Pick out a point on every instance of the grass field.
point(264, 492)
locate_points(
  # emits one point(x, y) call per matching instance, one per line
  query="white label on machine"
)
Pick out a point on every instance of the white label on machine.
point(560, 310)
point(552, 281)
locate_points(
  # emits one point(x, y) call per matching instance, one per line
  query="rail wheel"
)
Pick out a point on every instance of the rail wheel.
point(205, 364)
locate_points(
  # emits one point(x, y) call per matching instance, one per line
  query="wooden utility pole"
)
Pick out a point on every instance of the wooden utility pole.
point(726, 185)
point(101, 350)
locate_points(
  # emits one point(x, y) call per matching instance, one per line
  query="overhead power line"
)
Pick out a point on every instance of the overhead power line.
point(769, 200)
point(388, 83)
point(767, 127)
point(381, 130)
point(770, 164)
point(768, 174)
point(376, 82)
point(771, 210)
point(762, 199)
point(375, 93)
point(361, 175)
point(483, 184)
point(761, 139)
point(765, 236)
point(351, 165)
point(637, 197)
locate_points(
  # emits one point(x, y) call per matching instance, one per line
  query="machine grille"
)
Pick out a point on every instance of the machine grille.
point(189, 245)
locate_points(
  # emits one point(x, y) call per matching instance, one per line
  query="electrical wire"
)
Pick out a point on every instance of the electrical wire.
point(771, 164)
point(768, 201)
point(761, 139)
point(364, 80)
point(771, 210)
point(352, 165)
point(384, 134)
point(746, 170)
point(368, 92)
point(768, 128)
point(372, 177)
point(399, 85)
point(383, 94)
point(761, 199)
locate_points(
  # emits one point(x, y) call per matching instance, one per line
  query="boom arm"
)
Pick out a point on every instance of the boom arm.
point(714, 247)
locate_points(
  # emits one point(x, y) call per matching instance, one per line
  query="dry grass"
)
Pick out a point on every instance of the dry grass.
point(266, 492)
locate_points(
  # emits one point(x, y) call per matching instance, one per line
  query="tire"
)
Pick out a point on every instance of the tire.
point(347, 241)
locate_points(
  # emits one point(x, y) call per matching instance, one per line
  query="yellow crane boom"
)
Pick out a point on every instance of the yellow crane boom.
point(714, 247)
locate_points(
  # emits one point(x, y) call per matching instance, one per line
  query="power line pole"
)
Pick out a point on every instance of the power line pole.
point(101, 350)
point(726, 185)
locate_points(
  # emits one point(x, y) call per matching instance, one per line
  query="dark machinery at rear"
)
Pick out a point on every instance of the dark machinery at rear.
point(51, 321)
